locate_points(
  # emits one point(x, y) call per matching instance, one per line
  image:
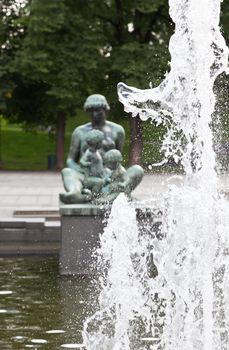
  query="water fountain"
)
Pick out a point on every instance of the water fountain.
point(185, 304)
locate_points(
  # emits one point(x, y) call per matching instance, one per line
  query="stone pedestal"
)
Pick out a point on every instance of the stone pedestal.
point(81, 226)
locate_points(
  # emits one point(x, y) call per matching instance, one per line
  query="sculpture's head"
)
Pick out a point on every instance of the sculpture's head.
point(112, 159)
point(97, 106)
point(94, 138)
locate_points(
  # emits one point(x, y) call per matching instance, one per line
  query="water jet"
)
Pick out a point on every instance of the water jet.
point(185, 306)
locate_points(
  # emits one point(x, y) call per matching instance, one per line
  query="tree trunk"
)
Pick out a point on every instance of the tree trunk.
point(135, 154)
point(60, 129)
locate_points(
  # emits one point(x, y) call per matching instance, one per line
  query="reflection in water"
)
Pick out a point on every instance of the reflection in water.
point(38, 309)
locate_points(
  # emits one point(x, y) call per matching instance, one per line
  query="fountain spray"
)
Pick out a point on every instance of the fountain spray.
point(186, 305)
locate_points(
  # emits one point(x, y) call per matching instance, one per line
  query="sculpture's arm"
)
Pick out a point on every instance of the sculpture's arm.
point(85, 160)
point(119, 177)
point(74, 151)
point(120, 138)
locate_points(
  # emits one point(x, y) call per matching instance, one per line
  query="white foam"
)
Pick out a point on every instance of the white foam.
point(55, 331)
point(3, 311)
point(5, 292)
point(39, 341)
point(73, 346)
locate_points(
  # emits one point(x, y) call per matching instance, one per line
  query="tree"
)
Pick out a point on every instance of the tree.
point(128, 39)
point(225, 20)
point(70, 49)
point(55, 53)
point(11, 35)
point(136, 52)
point(52, 66)
point(220, 124)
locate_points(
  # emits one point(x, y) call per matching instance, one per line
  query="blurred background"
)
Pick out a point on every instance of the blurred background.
point(53, 54)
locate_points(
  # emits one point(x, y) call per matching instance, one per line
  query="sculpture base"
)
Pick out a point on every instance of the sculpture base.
point(81, 226)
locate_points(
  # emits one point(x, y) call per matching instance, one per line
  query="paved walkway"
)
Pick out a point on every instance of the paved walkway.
point(28, 191)
point(25, 190)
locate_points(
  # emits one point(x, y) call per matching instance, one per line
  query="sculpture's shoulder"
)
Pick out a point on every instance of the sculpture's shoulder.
point(116, 127)
point(82, 129)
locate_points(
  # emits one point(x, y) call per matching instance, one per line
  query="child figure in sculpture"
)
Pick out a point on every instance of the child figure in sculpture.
point(118, 178)
point(91, 162)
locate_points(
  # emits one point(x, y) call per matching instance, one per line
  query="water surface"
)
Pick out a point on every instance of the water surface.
point(36, 303)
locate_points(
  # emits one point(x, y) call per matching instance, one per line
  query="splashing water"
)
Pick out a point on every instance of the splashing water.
point(170, 290)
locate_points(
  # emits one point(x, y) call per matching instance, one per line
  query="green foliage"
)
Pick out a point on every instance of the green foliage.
point(52, 50)
point(53, 54)
point(67, 50)
point(225, 20)
point(48, 70)
point(136, 51)
point(220, 124)
point(11, 36)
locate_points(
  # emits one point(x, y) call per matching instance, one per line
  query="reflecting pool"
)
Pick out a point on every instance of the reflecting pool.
point(38, 308)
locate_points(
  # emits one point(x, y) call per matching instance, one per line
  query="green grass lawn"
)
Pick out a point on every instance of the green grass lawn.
point(25, 150)
point(29, 150)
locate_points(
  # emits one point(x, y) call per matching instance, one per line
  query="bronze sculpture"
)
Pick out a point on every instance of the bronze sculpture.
point(93, 172)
